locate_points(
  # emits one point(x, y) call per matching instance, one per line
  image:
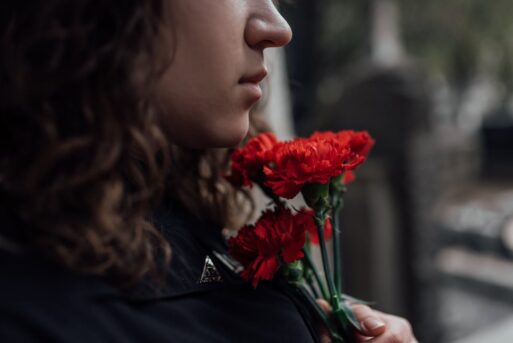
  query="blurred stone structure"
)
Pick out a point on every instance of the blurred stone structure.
point(473, 260)
point(381, 255)
point(426, 228)
point(424, 235)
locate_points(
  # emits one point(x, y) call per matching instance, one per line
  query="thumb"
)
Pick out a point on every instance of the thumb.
point(324, 305)
point(372, 324)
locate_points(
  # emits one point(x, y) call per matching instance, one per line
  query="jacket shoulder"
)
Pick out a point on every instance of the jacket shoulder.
point(26, 277)
point(41, 301)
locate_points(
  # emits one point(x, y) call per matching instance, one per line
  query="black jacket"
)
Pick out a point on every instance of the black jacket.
point(42, 302)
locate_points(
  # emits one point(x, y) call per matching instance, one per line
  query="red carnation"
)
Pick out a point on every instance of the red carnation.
point(306, 216)
point(277, 235)
point(359, 143)
point(247, 162)
point(349, 177)
point(291, 165)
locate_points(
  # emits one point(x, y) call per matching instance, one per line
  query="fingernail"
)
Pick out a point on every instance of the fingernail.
point(371, 324)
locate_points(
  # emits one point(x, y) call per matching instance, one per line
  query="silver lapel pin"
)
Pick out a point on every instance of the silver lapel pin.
point(210, 273)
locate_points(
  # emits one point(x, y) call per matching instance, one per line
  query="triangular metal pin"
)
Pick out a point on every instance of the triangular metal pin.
point(210, 273)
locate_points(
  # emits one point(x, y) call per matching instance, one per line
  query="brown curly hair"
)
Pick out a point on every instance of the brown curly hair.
point(82, 160)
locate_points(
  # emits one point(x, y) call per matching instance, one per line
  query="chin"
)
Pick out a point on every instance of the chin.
point(229, 140)
point(228, 137)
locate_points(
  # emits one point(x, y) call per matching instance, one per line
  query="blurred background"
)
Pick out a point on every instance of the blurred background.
point(428, 226)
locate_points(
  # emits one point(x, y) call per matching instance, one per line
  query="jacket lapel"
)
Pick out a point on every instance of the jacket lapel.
point(199, 263)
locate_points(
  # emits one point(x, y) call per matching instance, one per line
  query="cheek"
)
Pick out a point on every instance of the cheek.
point(201, 81)
point(209, 48)
point(199, 93)
point(203, 117)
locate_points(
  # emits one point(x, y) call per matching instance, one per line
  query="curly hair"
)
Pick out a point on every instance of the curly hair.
point(82, 158)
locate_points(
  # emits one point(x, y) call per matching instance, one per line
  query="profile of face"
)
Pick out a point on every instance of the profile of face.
point(213, 80)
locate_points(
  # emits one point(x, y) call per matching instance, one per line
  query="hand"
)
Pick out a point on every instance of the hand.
point(377, 327)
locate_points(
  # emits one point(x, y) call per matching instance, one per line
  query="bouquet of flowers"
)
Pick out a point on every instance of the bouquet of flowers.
point(319, 168)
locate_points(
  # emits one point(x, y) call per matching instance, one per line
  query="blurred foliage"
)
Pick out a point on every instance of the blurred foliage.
point(344, 32)
point(329, 34)
point(329, 37)
point(461, 37)
point(458, 40)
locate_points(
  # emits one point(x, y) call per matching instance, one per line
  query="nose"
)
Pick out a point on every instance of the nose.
point(266, 28)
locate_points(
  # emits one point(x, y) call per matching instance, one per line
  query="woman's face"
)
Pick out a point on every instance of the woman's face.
point(212, 82)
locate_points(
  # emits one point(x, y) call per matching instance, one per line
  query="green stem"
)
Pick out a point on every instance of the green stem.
point(308, 273)
point(323, 316)
point(339, 312)
point(309, 281)
point(310, 265)
point(334, 299)
point(337, 250)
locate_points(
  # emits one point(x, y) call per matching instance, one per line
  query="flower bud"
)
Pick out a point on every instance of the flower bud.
point(316, 195)
point(294, 271)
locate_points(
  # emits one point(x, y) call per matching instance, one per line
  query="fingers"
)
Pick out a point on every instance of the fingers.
point(371, 322)
point(324, 305)
point(398, 331)
point(377, 327)
point(323, 331)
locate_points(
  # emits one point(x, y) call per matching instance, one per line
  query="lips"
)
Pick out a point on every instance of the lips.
point(254, 78)
point(251, 84)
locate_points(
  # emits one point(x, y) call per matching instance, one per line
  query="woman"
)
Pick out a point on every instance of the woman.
point(109, 112)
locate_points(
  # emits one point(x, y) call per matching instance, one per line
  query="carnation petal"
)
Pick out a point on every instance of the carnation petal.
point(294, 251)
point(266, 270)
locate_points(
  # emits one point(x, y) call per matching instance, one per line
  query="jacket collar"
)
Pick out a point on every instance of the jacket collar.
point(193, 244)
point(197, 248)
